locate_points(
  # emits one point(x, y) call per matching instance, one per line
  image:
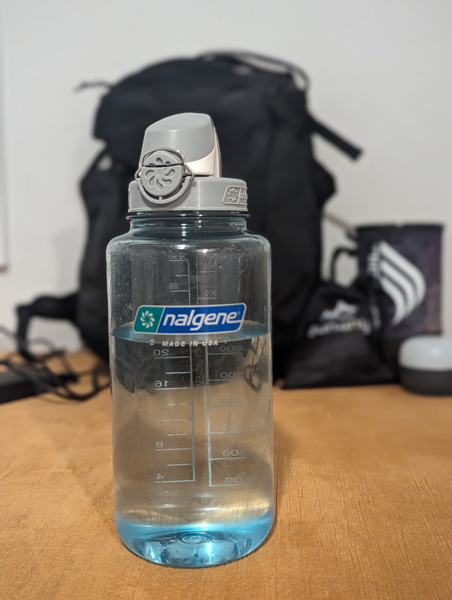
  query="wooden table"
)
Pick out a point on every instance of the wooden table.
point(363, 489)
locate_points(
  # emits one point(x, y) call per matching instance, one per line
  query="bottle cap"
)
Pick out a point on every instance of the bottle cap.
point(180, 169)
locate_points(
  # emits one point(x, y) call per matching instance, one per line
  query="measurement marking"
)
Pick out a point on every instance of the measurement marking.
point(176, 403)
point(220, 484)
point(171, 356)
point(224, 432)
point(186, 275)
point(192, 398)
point(231, 458)
point(206, 389)
point(177, 372)
point(225, 379)
point(171, 420)
point(180, 481)
point(222, 353)
point(209, 434)
point(171, 449)
point(176, 388)
point(178, 291)
point(180, 465)
point(174, 434)
point(226, 405)
point(178, 260)
point(197, 281)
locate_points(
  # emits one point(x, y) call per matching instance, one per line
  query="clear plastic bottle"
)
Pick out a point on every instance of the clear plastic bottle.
point(190, 358)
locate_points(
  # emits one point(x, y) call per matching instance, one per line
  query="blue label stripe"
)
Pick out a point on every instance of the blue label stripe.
point(183, 320)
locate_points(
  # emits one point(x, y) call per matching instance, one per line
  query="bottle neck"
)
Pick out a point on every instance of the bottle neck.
point(188, 223)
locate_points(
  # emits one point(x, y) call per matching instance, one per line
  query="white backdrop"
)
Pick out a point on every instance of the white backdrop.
point(380, 71)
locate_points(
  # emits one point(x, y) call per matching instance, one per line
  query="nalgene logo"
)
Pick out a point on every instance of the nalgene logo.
point(178, 320)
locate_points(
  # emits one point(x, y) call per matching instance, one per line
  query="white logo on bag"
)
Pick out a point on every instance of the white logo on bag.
point(402, 281)
point(342, 310)
point(340, 319)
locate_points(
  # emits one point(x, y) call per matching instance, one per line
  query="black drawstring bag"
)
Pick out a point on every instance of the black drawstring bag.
point(339, 342)
point(259, 109)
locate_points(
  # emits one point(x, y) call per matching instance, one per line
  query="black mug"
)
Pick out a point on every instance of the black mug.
point(402, 263)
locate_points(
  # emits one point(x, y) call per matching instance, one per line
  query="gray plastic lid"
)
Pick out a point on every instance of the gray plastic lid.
point(180, 169)
point(427, 353)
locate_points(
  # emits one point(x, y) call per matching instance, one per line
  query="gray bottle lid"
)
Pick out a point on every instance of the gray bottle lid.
point(180, 169)
point(426, 353)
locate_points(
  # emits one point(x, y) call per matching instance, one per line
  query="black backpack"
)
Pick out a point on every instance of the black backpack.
point(259, 109)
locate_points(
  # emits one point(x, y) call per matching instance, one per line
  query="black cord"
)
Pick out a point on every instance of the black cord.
point(36, 369)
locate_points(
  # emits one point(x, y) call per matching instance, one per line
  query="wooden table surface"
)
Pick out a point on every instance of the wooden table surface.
point(364, 504)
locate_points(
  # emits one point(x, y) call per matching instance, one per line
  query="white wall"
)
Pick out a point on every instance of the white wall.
point(380, 70)
point(3, 217)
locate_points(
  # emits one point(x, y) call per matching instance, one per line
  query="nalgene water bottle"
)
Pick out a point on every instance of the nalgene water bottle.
point(189, 301)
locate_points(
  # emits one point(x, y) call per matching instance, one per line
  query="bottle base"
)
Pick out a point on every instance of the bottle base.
point(197, 545)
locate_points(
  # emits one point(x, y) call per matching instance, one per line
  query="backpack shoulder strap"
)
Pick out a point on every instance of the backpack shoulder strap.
point(334, 138)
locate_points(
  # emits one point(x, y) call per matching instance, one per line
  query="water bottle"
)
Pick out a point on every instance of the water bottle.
point(190, 354)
